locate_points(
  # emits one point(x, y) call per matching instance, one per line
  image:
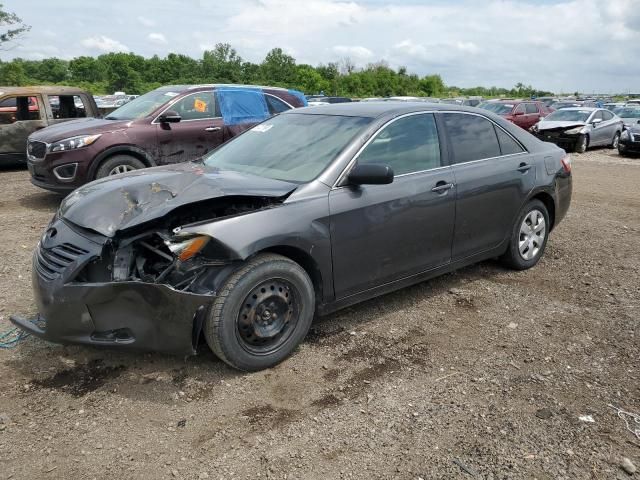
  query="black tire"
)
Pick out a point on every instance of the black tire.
point(582, 144)
point(616, 141)
point(513, 258)
point(621, 151)
point(236, 326)
point(110, 164)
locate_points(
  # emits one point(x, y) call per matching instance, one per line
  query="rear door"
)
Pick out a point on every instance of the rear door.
point(20, 115)
point(199, 131)
point(519, 116)
point(381, 233)
point(493, 174)
point(532, 115)
point(611, 124)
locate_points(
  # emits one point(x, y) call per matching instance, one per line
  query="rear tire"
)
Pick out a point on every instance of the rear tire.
point(616, 141)
point(261, 314)
point(119, 164)
point(582, 144)
point(528, 237)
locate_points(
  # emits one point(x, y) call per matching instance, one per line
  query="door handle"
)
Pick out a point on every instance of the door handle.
point(524, 168)
point(442, 187)
point(212, 129)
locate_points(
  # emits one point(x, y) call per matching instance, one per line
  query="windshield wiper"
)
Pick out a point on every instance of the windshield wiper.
point(109, 117)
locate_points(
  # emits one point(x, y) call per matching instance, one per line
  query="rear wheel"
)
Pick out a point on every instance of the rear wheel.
point(261, 314)
point(616, 140)
point(119, 164)
point(528, 237)
point(582, 144)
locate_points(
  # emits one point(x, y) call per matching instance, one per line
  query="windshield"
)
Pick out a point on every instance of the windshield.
point(291, 147)
point(628, 112)
point(142, 106)
point(495, 107)
point(568, 116)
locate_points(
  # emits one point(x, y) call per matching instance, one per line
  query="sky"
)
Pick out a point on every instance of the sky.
point(557, 45)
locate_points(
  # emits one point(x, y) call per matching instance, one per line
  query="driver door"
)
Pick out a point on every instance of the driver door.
point(199, 131)
point(382, 233)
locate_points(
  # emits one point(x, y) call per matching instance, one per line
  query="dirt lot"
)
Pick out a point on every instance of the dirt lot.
point(483, 373)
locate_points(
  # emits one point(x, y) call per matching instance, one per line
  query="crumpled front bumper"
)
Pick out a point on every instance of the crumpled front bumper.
point(126, 315)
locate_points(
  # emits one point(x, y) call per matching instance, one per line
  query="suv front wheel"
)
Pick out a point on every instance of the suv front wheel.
point(119, 164)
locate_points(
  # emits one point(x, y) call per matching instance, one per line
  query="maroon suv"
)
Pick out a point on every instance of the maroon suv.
point(524, 113)
point(168, 125)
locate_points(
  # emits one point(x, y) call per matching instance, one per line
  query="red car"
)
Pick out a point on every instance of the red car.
point(171, 124)
point(524, 113)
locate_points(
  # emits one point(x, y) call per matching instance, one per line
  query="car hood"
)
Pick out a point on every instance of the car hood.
point(123, 201)
point(631, 120)
point(73, 128)
point(549, 124)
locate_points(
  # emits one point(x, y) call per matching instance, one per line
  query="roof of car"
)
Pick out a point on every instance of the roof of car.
point(589, 109)
point(376, 109)
point(182, 88)
point(34, 90)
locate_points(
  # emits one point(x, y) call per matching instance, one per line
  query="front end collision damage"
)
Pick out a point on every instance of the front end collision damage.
point(137, 289)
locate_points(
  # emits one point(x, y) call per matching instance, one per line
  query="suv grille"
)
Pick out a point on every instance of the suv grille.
point(51, 263)
point(37, 149)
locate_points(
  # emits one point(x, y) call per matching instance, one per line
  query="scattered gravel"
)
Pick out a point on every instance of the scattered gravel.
point(425, 383)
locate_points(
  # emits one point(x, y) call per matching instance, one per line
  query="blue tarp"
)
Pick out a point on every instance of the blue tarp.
point(242, 105)
point(300, 95)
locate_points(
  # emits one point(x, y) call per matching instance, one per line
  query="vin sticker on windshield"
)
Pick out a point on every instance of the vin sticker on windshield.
point(262, 128)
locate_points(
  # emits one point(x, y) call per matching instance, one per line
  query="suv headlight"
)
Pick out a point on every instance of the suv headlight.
point(574, 131)
point(73, 143)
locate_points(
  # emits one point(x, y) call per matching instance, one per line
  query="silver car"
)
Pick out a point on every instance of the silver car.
point(576, 129)
point(630, 115)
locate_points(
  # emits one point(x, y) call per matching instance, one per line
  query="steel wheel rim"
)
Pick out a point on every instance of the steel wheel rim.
point(268, 316)
point(532, 234)
point(121, 169)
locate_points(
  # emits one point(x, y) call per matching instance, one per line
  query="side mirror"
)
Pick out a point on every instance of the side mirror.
point(170, 116)
point(596, 121)
point(371, 174)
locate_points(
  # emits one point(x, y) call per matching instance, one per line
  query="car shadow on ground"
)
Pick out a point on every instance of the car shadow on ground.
point(41, 201)
point(79, 370)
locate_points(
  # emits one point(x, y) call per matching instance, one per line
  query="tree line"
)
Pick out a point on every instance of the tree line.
point(135, 74)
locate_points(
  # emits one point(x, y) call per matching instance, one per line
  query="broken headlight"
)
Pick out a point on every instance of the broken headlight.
point(624, 135)
point(574, 131)
point(73, 143)
point(186, 248)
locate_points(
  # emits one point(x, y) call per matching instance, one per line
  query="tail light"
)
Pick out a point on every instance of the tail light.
point(566, 163)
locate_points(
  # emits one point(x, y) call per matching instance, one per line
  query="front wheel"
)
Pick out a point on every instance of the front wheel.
point(616, 140)
point(119, 164)
point(261, 314)
point(528, 237)
point(582, 144)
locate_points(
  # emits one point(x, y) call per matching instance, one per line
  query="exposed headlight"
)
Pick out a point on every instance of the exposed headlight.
point(73, 143)
point(187, 248)
point(624, 135)
point(574, 131)
point(534, 128)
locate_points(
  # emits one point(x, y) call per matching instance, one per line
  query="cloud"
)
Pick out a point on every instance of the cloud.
point(145, 21)
point(157, 38)
point(354, 52)
point(104, 44)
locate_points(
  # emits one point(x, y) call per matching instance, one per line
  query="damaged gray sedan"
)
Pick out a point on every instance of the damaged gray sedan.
point(311, 211)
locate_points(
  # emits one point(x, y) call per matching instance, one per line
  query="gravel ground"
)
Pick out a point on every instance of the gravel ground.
point(483, 373)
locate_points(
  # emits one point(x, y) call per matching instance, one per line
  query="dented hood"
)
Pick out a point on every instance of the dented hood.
point(548, 125)
point(124, 201)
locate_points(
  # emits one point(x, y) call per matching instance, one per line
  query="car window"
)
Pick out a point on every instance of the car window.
point(606, 115)
point(275, 104)
point(597, 115)
point(66, 106)
point(531, 108)
point(508, 146)
point(472, 137)
point(519, 109)
point(197, 106)
point(409, 144)
point(18, 109)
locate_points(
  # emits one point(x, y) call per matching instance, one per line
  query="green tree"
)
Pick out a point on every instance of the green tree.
point(278, 68)
point(11, 26)
point(13, 73)
point(222, 64)
point(87, 69)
